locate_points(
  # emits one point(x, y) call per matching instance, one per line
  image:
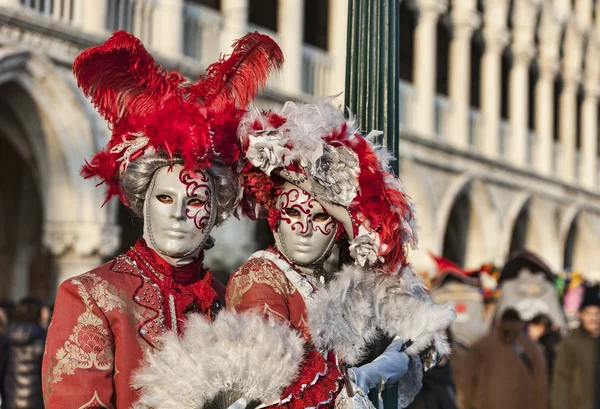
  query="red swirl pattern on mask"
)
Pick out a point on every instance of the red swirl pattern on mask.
point(292, 199)
point(197, 184)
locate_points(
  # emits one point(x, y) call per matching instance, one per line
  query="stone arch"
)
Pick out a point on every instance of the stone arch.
point(467, 212)
point(511, 220)
point(585, 241)
point(418, 187)
point(61, 133)
point(529, 227)
point(569, 236)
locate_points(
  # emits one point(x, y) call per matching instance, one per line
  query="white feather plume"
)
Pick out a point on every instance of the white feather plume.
point(347, 316)
point(233, 357)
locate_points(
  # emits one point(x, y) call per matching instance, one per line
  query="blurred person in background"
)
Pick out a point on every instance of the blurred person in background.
point(504, 370)
point(542, 331)
point(22, 373)
point(577, 370)
point(438, 391)
point(46, 317)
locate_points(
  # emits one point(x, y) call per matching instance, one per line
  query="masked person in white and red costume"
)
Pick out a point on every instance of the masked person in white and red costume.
point(319, 181)
point(173, 160)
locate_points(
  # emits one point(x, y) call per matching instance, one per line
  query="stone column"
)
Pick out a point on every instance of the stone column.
point(518, 104)
point(548, 60)
point(20, 271)
point(589, 137)
point(425, 64)
point(290, 23)
point(571, 69)
point(496, 37)
point(544, 115)
point(71, 265)
point(167, 27)
point(524, 20)
point(465, 21)
point(91, 15)
point(79, 247)
point(567, 127)
point(338, 33)
point(491, 96)
point(235, 22)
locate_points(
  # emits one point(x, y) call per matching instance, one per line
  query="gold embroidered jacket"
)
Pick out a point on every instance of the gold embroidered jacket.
point(104, 321)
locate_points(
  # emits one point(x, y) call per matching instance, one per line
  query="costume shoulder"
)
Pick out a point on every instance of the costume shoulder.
point(260, 275)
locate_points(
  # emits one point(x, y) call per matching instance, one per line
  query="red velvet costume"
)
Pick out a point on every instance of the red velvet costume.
point(106, 319)
point(259, 285)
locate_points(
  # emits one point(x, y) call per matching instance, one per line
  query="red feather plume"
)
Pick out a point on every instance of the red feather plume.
point(122, 78)
point(237, 77)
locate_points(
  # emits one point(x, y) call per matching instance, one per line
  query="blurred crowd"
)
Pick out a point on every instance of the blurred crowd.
point(525, 338)
point(23, 329)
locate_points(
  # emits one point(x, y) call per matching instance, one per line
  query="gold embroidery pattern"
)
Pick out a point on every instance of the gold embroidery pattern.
point(255, 271)
point(94, 403)
point(89, 345)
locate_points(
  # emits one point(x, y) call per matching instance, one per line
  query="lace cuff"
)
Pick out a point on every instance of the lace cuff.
point(410, 384)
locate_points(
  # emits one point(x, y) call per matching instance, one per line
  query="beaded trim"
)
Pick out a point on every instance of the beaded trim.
point(160, 320)
point(173, 312)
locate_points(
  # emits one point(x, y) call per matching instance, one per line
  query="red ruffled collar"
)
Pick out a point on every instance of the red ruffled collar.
point(184, 289)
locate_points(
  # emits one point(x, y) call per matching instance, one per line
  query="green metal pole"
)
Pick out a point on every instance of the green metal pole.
point(372, 67)
point(373, 88)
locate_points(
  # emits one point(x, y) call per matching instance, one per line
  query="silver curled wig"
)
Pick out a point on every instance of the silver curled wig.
point(139, 174)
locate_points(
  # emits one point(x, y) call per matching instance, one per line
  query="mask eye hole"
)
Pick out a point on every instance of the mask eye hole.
point(196, 203)
point(321, 217)
point(164, 199)
point(292, 213)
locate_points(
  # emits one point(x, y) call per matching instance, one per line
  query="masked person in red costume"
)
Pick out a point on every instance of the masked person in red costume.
point(319, 181)
point(173, 160)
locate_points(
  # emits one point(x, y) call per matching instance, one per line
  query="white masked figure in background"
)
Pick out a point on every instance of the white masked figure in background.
point(318, 182)
point(173, 160)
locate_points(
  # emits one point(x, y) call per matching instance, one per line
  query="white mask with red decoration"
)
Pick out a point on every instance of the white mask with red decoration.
point(179, 212)
point(305, 232)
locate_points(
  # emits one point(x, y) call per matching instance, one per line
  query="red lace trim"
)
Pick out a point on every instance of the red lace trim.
point(198, 297)
point(317, 386)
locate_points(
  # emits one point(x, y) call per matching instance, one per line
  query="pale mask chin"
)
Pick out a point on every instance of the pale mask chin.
point(306, 231)
point(179, 212)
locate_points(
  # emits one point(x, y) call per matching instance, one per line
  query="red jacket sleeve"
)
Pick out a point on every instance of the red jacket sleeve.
point(258, 286)
point(79, 357)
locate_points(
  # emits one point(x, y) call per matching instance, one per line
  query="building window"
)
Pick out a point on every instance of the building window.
point(444, 36)
point(558, 87)
point(213, 4)
point(316, 23)
point(477, 50)
point(407, 27)
point(580, 96)
point(534, 74)
point(264, 13)
point(505, 78)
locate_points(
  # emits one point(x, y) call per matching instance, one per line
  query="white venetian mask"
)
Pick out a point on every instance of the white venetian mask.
point(179, 213)
point(306, 231)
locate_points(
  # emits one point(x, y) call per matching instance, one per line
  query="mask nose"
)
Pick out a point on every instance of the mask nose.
point(179, 209)
point(307, 230)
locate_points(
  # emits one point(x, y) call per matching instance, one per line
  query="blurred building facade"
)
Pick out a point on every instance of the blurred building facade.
point(499, 113)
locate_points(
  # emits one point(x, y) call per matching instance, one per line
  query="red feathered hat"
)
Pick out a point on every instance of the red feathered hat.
point(152, 110)
point(315, 148)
